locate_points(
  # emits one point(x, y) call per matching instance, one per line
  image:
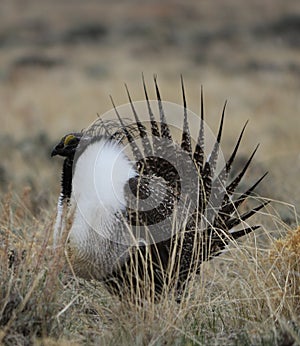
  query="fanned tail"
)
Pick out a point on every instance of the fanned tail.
point(197, 241)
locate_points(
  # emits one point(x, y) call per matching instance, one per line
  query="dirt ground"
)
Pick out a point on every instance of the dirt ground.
point(60, 61)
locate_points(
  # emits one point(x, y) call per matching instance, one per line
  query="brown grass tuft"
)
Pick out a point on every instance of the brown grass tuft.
point(250, 295)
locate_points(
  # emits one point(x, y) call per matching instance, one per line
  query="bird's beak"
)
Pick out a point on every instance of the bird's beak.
point(54, 152)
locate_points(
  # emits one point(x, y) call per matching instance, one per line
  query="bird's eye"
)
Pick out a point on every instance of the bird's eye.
point(69, 139)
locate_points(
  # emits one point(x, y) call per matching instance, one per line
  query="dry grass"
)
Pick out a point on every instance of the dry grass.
point(250, 295)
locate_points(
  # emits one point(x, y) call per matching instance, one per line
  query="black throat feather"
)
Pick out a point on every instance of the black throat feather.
point(66, 179)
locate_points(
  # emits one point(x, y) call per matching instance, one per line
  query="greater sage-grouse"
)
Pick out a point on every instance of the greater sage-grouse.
point(144, 200)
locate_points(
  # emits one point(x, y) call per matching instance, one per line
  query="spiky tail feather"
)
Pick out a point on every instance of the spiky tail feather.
point(172, 261)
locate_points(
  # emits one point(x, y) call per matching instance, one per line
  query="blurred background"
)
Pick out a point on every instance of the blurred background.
point(60, 61)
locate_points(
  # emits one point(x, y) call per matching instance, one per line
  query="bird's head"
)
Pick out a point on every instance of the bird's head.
point(67, 145)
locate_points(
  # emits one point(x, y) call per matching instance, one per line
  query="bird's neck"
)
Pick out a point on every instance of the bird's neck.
point(65, 195)
point(66, 179)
